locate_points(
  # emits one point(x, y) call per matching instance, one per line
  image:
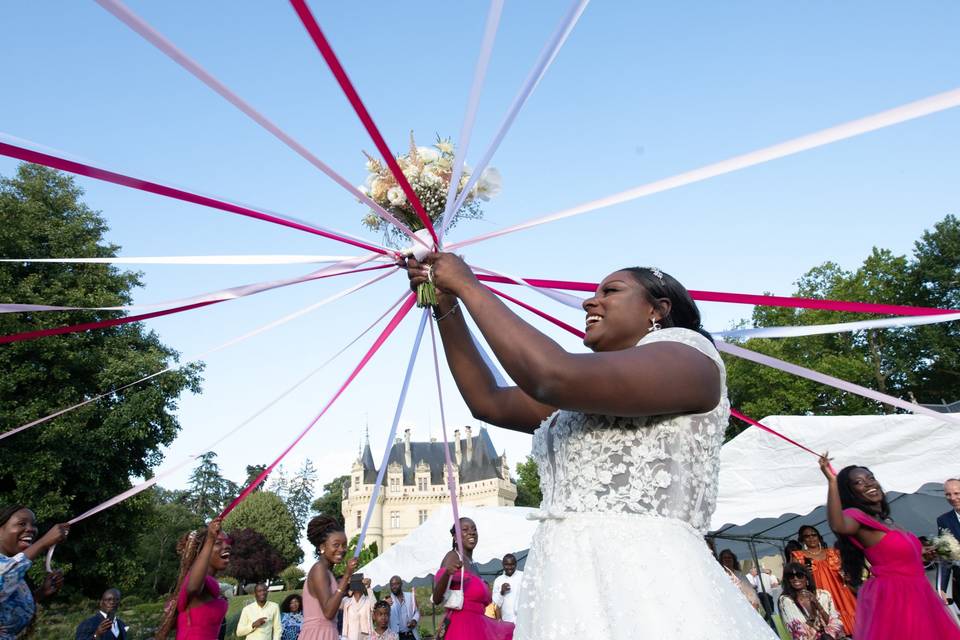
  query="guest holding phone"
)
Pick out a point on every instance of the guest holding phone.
point(104, 624)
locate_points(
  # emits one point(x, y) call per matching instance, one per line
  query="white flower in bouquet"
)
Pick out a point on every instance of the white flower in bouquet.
point(489, 184)
point(946, 546)
point(395, 197)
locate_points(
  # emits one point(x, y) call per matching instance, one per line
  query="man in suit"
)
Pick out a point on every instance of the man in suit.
point(104, 624)
point(950, 522)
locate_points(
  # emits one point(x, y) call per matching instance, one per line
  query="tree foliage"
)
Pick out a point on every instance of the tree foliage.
point(265, 512)
point(528, 484)
point(367, 555)
point(920, 364)
point(253, 558)
point(65, 466)
point(208, 490)
point(169, 519)
point(330, 503)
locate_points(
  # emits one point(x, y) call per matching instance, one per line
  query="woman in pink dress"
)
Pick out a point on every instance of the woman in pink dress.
point(896, 602)
point(322, 595)
point(468, 623)
point(198, 609)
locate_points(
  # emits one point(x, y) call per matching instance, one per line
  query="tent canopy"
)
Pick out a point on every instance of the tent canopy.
point(768, 488)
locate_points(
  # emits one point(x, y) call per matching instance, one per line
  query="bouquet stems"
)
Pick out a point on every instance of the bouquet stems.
point(426, 295)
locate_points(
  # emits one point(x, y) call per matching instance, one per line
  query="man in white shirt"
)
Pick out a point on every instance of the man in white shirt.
point(506, 587)
point(404, 614)
point(260, 620)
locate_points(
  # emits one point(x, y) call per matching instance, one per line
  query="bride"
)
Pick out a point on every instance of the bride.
point(627, 440)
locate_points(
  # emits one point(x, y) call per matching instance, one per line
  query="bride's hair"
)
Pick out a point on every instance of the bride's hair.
point(683, 310)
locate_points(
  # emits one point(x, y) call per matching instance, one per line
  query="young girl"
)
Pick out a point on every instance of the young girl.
point(322, 594)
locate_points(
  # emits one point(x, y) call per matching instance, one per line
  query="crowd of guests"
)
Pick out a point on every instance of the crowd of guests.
point(879, 582)
point(872, 585)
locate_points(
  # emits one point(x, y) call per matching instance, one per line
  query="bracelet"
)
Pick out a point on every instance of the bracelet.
point(452, 311)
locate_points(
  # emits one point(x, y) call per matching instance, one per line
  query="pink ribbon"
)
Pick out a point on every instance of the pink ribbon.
point(90, 171)
point(401, 312)
point(748, 298)
point(545, 316)
point(310, 23)
point(87, 326)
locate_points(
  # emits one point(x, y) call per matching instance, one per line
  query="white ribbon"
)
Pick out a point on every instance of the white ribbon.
point(200, 356)
point(831, 381)
point(536, 74)
point(913, 110)
point(837, 327)
point(575, 302)
point(466, 130)
point(343, 267)
point(204, 260)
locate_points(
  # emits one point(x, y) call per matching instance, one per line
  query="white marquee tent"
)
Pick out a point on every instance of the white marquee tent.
point(765, 482)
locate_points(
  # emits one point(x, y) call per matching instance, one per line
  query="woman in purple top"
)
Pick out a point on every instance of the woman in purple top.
point(198, 609)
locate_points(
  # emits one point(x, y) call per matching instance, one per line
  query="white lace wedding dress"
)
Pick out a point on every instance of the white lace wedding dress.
point(620, 554)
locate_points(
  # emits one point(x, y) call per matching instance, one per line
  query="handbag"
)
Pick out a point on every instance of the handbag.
point(453, 598)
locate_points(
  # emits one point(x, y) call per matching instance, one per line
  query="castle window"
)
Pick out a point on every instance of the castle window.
point(395, 519)
point(356, 482)
point(394, 482)
point(423, 515)
point(421, 484)
point(359, 524)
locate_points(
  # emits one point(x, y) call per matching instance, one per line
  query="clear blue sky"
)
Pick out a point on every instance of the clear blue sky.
point(641, 91)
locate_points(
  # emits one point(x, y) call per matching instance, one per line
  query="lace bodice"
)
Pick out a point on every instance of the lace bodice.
point(653, 465)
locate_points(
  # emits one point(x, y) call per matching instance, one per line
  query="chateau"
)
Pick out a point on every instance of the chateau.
point(415, 484)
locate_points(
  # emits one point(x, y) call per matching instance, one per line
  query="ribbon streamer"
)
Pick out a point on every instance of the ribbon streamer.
point(204, 354)
point(563, 298)
point(747, 298)
point(310, 24)
point(831, 381)
point(404, 387)
point(451, 482)
point(473, 101)
point(547, 56)
point(347, 266)
point(546, 316)
point(154, 37)
point(837, 327)
point(87, 326)
point(90, 171)
point(404, 309)
point(193, 260)
point(143, 486)
point(904, 113)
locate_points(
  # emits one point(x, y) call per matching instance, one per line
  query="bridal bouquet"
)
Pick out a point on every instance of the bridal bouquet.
point(429, 171)
point(946, 546)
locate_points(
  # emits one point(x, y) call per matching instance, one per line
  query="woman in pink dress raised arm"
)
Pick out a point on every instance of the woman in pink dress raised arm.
point(896, 602)
point(322, 594)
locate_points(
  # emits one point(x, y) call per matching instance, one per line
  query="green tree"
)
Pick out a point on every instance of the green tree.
point(912, 363)
point(528, 484)
point(253, 471)
point(299, 492)
point(69, 464)
point(292, 576)
point(265, 513)
point(368, 553)
point(208, 490)
point(330, 503)
point(157, 546)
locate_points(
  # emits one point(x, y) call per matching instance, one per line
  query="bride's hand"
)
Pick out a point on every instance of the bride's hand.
point(450, 273)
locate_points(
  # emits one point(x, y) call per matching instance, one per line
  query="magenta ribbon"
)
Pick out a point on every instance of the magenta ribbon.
point(748, 298)
point(545, 316)
point(79, 168)
point(451, 482)
point(310, 23)
point(401, 313)
point(87, 326)
point(579, 333)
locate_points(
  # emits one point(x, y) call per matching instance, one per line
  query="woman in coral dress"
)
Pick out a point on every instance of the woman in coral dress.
point(825, 565)
point(322, 595)
point(896, 602)
point(469, 622)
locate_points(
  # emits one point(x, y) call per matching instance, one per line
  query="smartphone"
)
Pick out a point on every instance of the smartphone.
point(356, 582)
point(112, 615)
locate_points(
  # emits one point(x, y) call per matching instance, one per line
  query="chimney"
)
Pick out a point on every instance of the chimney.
point(456, 445)
point(407, 454)
point(469, 442)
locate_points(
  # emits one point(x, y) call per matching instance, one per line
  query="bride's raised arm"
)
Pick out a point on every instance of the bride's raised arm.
point(508, 407)
point(665, 377)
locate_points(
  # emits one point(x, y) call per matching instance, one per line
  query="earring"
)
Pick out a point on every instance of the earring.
point(654, 325)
